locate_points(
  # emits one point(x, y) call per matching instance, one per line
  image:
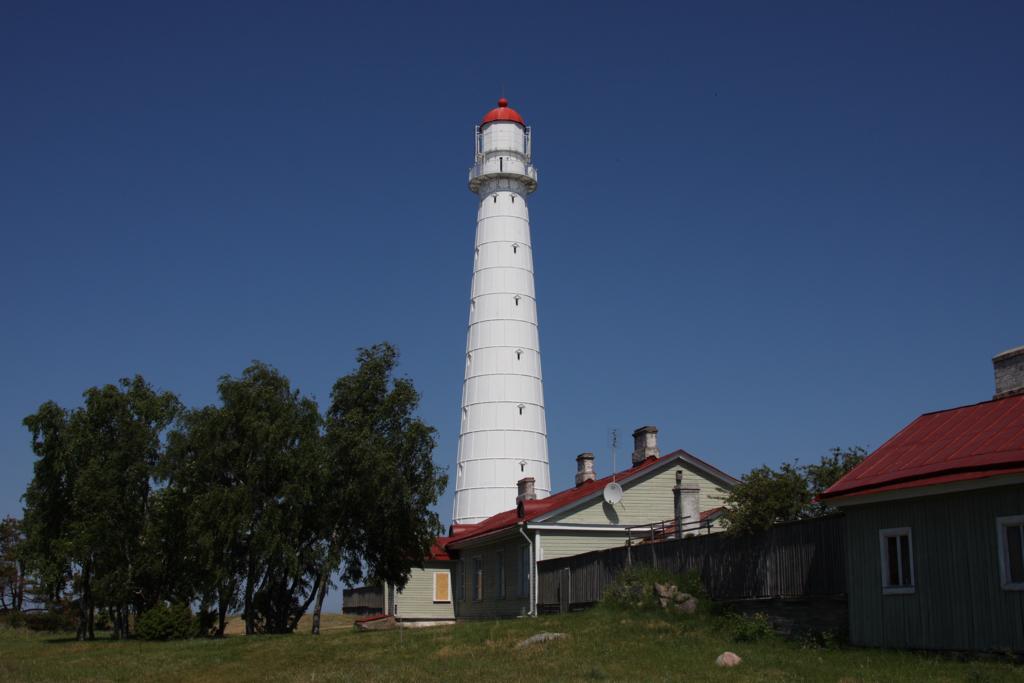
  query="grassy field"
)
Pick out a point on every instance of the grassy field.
point(603, 644)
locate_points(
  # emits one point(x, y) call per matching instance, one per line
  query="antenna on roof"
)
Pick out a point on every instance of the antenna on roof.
point(615, 445)
point(612, 491)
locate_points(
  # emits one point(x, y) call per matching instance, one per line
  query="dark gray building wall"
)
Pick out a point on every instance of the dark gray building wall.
point(958, 603)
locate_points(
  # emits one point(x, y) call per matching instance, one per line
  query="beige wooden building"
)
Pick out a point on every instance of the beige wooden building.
point(488, 569)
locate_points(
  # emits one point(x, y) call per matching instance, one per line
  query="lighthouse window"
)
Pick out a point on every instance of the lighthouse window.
point(517, 300)
point(501, 163)
point(521, 407)
point(515, 248)
point(495, 199)
point(519, 354)
point(513, 198)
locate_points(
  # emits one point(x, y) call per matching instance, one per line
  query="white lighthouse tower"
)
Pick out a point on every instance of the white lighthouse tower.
point(503, 434)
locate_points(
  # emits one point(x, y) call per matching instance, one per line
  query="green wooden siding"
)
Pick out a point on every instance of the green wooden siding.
point(958, 602)
point(646, 499)
point(416, 600)
point(492, 605)
point(556, 544)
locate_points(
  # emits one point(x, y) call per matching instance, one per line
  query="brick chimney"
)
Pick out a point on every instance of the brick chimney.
point(526, 491)
point(1009, 368)
point(645, 444)
point(585, 468)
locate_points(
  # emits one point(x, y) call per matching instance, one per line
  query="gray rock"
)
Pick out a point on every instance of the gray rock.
point(541, 638)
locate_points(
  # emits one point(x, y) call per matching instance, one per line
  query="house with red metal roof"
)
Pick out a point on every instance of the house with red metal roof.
point(935, 527)
point(489, 569)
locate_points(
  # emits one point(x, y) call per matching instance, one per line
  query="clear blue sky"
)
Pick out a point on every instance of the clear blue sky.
point(766, 228)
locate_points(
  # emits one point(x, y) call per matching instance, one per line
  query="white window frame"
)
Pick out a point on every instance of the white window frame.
point(883, 536)
point(1004, 557)
point(448, 577)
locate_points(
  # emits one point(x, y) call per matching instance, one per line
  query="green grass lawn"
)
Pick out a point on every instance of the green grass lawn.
point(603, 644)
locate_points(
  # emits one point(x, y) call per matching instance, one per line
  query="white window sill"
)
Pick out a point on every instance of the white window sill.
point(898, 590)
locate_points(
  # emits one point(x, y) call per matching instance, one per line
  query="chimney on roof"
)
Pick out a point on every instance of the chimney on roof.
point(1009, 368)
point(645, 444)
point(585, 468)
point(687, 506)
point(526, 491)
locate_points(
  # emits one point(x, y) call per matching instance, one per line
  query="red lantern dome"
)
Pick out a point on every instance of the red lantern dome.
point(503, 112)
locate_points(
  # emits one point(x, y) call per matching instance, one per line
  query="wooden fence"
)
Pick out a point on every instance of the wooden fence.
point(794, 560)
point(362, 600)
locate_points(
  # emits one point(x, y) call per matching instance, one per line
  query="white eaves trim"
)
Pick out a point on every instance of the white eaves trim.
point(927, 490)
point(576, 527)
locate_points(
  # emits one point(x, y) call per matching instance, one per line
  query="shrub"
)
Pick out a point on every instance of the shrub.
point(41, 620)
point(746, 629)
point(634, 587)
point(166, 623)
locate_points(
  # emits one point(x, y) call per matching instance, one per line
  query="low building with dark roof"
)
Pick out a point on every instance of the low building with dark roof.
point(488, 569)
point(935, 527)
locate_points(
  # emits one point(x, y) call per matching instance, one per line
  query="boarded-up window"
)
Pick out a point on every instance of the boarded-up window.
point(897, 560)
point(1011, 551)
point(499, 565)
point(478, 578)
point(442, 587)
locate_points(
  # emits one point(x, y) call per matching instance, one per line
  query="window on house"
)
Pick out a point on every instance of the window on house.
point(499, 561)
point(1011, 551)
point(442, 587)
point(897, 560)
point(524, 571)
point(478, 578)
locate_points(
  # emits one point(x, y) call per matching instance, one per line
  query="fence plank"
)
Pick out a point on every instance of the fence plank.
point(797, 559)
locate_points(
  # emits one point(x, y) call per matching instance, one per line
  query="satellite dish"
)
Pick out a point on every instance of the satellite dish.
point(612, 493)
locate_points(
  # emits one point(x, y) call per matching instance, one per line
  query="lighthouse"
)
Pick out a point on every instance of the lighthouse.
point(503, 431)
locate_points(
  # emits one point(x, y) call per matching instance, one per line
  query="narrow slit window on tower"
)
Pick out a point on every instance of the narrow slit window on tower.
point(501, 163)
point(519, 354)
point(521, 408)
point(522, 465)
point(495, 197)
point(513, 198)
point(517, 299)
point(515, 248)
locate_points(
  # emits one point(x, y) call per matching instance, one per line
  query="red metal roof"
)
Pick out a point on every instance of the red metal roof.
point(960, 444)
point(503, 112)
point(535, 508)
point(437, 551)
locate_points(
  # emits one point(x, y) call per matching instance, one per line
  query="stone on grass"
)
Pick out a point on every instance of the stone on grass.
point(376, 624)
point(541, 638)
point(728, 659)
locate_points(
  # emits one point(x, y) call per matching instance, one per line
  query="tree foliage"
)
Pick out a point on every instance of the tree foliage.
point(251, 503)
point(13, 574)
point(379, 479)
point(767, 496)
